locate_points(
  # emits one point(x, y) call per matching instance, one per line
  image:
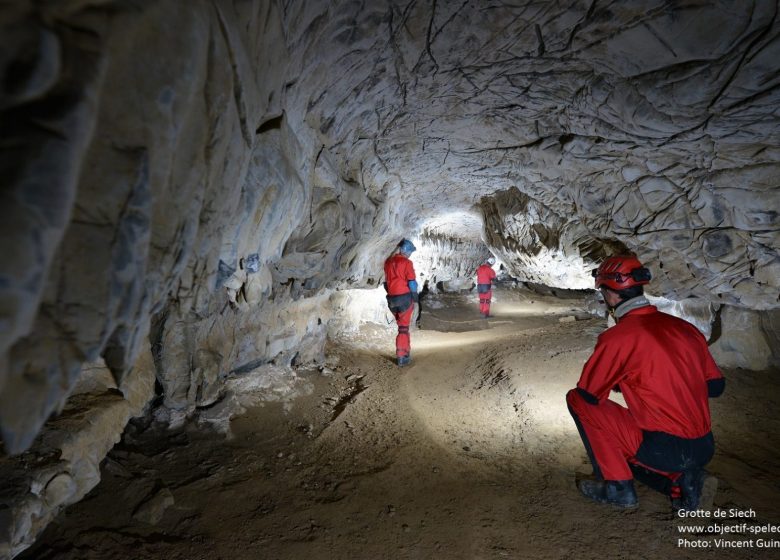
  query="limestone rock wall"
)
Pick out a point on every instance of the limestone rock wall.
point(161, 204)
point(158, 193)
point(770, 326)
point(538, 244)
point(65, 463)
point(746, 339)
point(196, 182)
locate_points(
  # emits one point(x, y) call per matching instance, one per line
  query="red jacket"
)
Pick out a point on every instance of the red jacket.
point(485, 274)
point(662, 365)
point(398, 271)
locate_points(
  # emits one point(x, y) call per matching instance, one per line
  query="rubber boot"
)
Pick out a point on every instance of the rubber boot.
point(618, 493)
point(698, 490)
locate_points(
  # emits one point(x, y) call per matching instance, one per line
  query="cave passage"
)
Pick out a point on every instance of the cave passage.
point(468, 453)
point(198, 199)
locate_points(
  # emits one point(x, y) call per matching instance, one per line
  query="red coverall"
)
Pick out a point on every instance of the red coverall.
point(485, 275)
point(665, 371)
point(398, 272)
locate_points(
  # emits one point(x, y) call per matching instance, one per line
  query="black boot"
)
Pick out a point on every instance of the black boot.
point(618, 493)
point(698, 490)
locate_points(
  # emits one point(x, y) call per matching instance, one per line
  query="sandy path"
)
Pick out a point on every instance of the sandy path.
point(469, 453)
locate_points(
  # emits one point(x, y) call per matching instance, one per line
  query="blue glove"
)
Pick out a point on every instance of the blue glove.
point(412, 285)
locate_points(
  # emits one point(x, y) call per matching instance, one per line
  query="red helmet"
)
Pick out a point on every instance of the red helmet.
point(620, 272)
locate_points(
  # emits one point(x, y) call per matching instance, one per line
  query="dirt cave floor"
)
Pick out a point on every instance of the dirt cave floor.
point(468, 453)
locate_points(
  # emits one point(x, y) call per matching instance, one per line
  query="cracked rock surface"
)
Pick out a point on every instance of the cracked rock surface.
point(197, 184)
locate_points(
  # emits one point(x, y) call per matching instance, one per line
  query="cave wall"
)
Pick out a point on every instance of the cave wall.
point(65, 463)
point(162, 216)
point(186, 188)
point(539, 245)
point(152, 164)
point(746, 339)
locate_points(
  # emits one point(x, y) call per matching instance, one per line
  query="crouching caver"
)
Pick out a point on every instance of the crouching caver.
point(401, 288)
point(665, 371)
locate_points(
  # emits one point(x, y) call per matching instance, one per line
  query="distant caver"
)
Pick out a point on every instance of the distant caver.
point(401, 287)
point(485, 277)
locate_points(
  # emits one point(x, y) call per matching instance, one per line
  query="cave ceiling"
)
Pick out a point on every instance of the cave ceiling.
point(649, 124)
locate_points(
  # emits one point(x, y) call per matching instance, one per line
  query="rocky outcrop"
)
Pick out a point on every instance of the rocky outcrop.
point(746, 339)
point(537, 244)
point(65, 462)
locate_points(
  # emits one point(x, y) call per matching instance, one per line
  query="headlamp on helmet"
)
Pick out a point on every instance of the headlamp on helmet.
point(620, 272)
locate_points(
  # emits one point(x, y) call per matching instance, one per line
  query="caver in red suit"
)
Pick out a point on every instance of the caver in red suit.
point(665, 371)
point(485, 277)
point(401, 288)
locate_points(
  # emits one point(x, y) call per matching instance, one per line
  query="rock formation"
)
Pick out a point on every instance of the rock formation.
point(192, 184)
